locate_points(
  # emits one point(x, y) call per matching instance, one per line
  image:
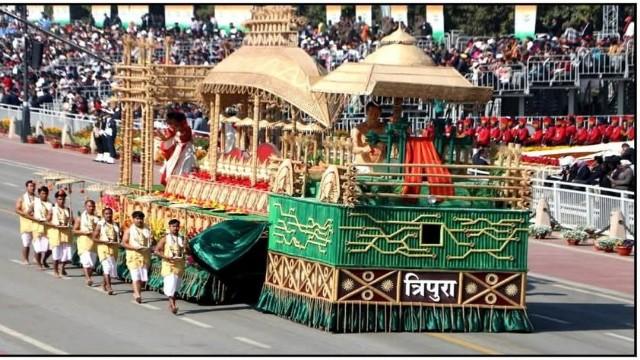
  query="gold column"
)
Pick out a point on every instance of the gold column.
point(254, 140)
point(126, 167)
point(214, 108)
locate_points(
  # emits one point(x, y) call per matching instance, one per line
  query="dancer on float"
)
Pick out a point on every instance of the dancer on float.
point(107, 235)
point(83, 228)
point(24, 206)
point(172, 249)
point(59, 234)
point(176, 147)
point(137, 242)
point(41, 213)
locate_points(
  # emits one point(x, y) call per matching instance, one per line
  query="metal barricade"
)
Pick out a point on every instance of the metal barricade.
point(600, 63)
point(552, 71)
point(576, 205)
point(462, 40)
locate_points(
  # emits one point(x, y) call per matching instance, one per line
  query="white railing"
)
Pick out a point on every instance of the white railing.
point(508, 79)
point(462, 40)
point(552, 71)
point(599, 35)
point(574, 205)
point(598, 62)
point(630, 57)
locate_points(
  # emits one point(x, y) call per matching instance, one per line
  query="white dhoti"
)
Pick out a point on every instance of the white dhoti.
point(62, 252)
point(88, 259)
point(41, 244)
point(26, 238)
point(139, 274)
point(109, 267)
point(171, 284)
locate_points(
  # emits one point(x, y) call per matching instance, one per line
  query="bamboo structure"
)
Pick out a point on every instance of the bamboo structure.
point(149, 86)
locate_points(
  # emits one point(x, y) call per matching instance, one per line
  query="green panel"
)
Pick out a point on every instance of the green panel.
point(390, 237)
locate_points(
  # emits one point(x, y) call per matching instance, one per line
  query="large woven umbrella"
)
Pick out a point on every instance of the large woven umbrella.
point(400, 69)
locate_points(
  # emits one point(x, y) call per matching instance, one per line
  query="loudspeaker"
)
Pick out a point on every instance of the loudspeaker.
point(37, 49)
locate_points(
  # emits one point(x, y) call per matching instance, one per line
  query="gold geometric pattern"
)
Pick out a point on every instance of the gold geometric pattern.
point(300, 276)
point(288, 225)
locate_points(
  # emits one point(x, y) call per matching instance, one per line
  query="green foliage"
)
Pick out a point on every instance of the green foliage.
point(315, 14)
point(480, 20)
point(203, 11)
point(573, 15)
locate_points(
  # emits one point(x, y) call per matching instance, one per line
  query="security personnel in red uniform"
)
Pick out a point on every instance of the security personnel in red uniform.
point(536, 138)
point(608, 132)
point(614, 132)
point(483, 133)
point(549, 131)
point(429, 132)
point(507, 133)
point(571, 128)
point(581, 132)
point(602, 127)
point(630, 131)
point(468, 127)
point(496, 134)
point(594, 136)
point(560, 136)
point(521, 132)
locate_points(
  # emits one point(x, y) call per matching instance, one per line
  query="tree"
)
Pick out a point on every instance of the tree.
point(204, 11)
point(480, 20)
point(315, 14)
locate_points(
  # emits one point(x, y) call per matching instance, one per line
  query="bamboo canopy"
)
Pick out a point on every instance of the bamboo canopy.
point(400, 69)
point(270, 61)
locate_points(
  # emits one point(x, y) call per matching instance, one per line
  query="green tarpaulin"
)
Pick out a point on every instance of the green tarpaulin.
point(222, 244)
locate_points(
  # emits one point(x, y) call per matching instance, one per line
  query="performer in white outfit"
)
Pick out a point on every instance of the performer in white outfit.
point(59, 234)
point(137, 241)
point(172, 249)
point(83, 228)
point(107, 235)
point(42, 215)
point(24, 206)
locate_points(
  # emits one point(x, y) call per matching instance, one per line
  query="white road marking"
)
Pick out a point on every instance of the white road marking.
point(195, 322)
point(150, 307)
point(580, 286)
point(38, 168)
point(591, 251)
point(10, 184)
point(550, 319)
point(17, 261)
point(54, 275)
point(29, 340)
point(619, 336)
point(252, 342)
point(622, 300)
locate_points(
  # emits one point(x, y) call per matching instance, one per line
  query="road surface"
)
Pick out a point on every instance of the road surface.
point(40, 314)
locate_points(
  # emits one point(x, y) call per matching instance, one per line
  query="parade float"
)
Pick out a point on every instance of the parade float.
point(333, 236)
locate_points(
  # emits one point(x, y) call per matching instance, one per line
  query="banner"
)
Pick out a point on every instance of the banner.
point(132, 13)
point(61, 14)
point(333, 13)
point(180, 14)
point(399, 13)
point(435, 18)
point(34, 12)
point(525, 21)
point(98, 11)
point(228, 14)
point(364, 12)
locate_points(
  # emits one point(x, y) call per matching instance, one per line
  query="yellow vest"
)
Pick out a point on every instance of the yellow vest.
point(60, 217)
point(87, 224)
point(41, 210)
point(139, 238)
point(108, 231)
point(26, 225)
point(173, 247)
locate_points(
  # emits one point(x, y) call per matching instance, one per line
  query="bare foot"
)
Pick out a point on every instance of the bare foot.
point(89, 282)
point(46, 265)
point(64, 272)
point(57, 274)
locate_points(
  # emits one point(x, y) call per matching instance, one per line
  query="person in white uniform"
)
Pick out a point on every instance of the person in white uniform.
point(137, 241)
point(41, 214)
point(172, 249)
point(107, 235)
point(24, 206)
point(59, 234)
point(83, 229)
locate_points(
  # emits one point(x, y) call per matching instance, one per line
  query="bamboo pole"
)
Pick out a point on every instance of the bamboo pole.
point(466, 186)
point(254, 142)
point(214, 107)
point(448, 197)
point(482, 177)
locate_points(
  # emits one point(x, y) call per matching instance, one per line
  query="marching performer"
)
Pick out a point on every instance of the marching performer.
point(83, 228)
point(24, 206)
point(172, 249)
point(59, 234)
point(41, 213)
point(107, 235)
point(137, 242)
